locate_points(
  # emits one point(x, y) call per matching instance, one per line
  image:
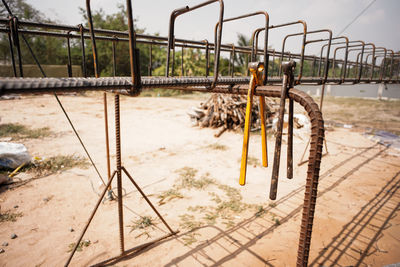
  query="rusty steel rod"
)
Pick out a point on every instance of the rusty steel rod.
point(288, 68)
point(90, 219)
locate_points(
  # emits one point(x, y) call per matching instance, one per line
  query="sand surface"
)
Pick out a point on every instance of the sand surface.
point(355, 221)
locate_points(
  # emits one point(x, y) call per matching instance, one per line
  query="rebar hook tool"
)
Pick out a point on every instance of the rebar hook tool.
point(287, 83)
point(256, 70)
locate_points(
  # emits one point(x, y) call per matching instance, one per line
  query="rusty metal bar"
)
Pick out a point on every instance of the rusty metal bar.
point(288, 68)
point(84, 69)
point(171, 37)
point(12, 54)
point(69, 57)
point(90, 219)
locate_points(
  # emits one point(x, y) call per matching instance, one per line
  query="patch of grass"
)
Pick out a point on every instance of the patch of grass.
point(168, 196)
point(82, 244)
point(260, 211)
point(272, 204)
point(217, 146)
point(187, 179)
point(229, 223)
point(253, 161)
point(197, 208)
point(188, 222)
point(56, 163)
point(9, 216)
point(376, 114)
point(19, 131)
point(210, 217)
point(190, 238)
point(275, 219)
point(142, 223)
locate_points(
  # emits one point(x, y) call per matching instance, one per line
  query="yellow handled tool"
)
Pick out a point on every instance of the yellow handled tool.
point(256, 70)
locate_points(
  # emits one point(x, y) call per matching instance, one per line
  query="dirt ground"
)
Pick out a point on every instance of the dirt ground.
point(192, 178)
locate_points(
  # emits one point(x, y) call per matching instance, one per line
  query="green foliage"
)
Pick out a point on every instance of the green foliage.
point(142, 223)
point(82, 244)
point(260, 211)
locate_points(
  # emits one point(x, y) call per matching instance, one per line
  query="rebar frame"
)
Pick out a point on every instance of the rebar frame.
point(271, 86)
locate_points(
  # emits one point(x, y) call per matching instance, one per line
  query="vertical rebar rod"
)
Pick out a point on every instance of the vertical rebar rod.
point(15, 37)
point(313, 66)
point(12, 54)
point(233, 61)
point(289, 155)
point(119, 174)
point(97, 75)
point(182, 71)
point(150, 70)
point(278, 141)
point(69, 65)
point(173, 60)
point(114, 57)
point(207, 56)
point(135, 68)
point(84, 68)
point(273, 63)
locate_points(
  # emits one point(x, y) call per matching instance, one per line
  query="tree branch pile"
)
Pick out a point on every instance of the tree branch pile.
point(227, 112)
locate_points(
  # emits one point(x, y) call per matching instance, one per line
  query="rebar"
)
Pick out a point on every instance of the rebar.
point(362, 69)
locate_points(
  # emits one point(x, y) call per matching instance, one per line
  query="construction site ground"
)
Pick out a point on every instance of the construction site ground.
point(192, 178)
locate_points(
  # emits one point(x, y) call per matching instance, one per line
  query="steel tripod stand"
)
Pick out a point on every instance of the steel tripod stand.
point(118, 173)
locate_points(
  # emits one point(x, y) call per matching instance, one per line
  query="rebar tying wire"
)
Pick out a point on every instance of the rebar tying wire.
point(56, 96)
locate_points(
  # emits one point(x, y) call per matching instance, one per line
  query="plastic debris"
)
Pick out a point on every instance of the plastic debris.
point(13, 155)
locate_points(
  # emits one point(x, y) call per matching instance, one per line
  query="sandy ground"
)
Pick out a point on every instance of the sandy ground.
point(355, 222)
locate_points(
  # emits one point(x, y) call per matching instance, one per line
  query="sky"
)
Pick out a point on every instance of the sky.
point(379, 24)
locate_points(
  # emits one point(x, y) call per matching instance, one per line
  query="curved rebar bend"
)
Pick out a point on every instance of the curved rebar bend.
point(257, 32)
point(391, 65)
point(382, 68)
point(314, 41)
point(373, 59)
point(217, 46)
point(347, 42)
point(344, 66)
point(362, 44)
point(325, 45)
point(134, 61)
point(310, 195)
point(265, 37)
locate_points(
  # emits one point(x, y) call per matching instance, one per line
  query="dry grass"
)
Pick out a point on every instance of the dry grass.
point(9, 216)
point(365, 113)
point(217, 146)
point(54, 164)
point(18, 131)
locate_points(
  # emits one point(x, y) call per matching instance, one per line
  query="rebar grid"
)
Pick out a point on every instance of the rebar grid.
point(363, 69)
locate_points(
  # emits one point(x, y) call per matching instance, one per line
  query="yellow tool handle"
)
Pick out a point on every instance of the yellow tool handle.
point(247, 125)
point(263, 133)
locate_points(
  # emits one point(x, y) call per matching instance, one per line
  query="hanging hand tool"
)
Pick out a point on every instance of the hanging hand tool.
point(287, 83)
point(256, 70)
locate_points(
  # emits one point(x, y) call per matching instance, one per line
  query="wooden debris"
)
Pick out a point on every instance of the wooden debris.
point(227, 112)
